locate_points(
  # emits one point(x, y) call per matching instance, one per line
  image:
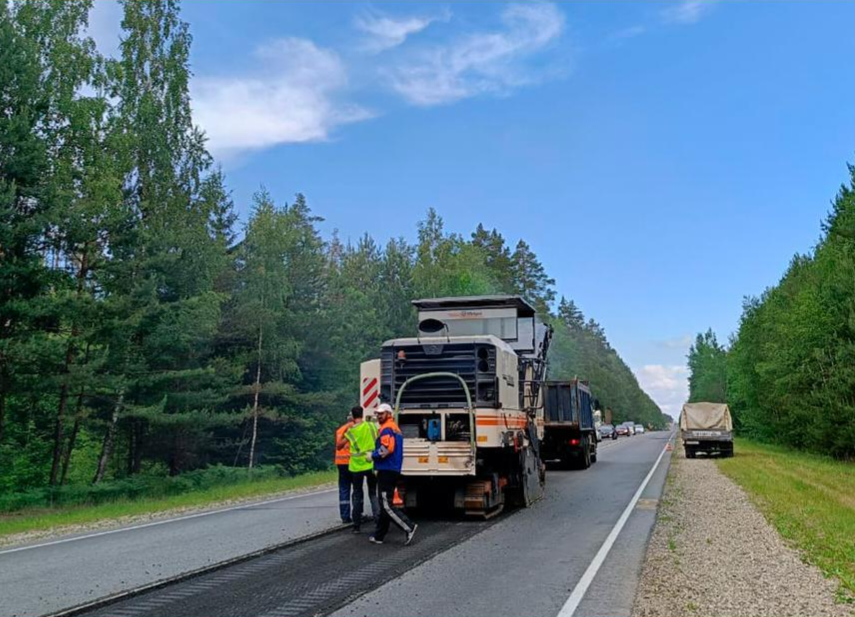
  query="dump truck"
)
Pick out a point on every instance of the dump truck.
point(570, 435)
point(706, 428)
point(466, 393)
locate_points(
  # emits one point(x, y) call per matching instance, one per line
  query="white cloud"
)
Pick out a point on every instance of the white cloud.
point(385, 32)
point(486, 62)
point(293, 98)
point(668, 386)
point(687, 11)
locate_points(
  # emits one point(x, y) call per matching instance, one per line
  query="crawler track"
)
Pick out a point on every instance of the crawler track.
point(310, 577)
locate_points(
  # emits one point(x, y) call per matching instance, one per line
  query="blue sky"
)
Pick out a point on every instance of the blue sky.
point(664, 159)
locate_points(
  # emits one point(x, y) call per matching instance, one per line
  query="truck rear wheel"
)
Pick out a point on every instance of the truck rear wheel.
point(690, 452)
point(584, 461)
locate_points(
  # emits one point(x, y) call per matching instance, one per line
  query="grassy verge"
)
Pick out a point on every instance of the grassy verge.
point(810, 499)
point(38, 519)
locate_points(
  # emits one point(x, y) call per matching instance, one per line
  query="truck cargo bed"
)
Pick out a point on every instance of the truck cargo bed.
point(568, 403)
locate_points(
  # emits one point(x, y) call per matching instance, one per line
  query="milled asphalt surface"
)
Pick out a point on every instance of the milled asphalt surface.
point(529, 563)
point(311, 578)
point(523, 563)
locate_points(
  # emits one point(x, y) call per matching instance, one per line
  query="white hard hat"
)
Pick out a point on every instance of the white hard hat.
point(383, 407)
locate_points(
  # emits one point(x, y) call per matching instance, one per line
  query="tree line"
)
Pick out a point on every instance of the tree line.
point(788, 373)
point(143, 330)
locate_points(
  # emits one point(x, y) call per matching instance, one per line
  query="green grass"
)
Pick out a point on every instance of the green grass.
point(810, 500)
point(37, 519)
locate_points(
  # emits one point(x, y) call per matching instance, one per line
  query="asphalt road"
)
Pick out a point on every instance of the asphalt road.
point(524, 563)
point(530, 562)
point(49, 576)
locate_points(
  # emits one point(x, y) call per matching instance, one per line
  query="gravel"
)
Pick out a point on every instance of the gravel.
point(713, 554)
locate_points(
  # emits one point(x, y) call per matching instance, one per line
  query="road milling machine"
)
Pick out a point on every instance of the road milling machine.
point(466, 393)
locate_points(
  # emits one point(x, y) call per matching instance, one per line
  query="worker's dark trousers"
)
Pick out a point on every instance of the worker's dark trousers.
point(344, 481)
point(386, 481)
point(360, 478)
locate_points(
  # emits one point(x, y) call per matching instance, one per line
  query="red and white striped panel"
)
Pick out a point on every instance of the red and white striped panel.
point(370, 393)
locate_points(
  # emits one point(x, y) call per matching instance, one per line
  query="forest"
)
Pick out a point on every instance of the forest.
point(788, 373)
point(145, 331)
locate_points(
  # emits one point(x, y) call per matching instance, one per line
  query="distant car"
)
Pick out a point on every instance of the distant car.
point(607, 431)
point(622, 429)
point(639, 430)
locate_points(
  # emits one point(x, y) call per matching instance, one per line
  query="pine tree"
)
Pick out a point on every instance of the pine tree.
point(497, 257)
point(396, 288)
point(447, 265)
point(162, 291)
point(23, 221)
point(530, 278)
point(76, 208)
point(570, 314)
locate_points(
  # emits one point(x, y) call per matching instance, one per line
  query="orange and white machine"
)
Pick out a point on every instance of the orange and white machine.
point(466, 394)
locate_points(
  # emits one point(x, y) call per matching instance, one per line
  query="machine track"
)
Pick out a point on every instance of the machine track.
point(311, 577)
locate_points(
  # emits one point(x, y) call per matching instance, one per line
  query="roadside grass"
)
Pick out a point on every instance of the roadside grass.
point(810, 499)
point(670, 498)
point(40, 519)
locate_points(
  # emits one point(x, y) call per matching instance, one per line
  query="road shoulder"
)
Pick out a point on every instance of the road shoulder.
point(713, 553)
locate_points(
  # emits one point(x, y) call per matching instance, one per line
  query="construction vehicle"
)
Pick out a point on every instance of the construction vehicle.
point(706, 428)
point(570, 434)
point(466, 393)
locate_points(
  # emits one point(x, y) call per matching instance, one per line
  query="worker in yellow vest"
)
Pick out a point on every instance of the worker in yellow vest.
point(361, 437)
point(342, 462)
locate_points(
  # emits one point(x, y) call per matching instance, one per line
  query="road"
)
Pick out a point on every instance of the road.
point(528, 562)
point(83, 567)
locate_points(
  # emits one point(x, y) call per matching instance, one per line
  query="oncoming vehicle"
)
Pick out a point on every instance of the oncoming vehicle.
point(639, 429)
point(607, 431)
point(622, 430)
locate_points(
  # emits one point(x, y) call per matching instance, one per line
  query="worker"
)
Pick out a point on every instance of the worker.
point(361, 437)
point(388, 457)
point(342, 462)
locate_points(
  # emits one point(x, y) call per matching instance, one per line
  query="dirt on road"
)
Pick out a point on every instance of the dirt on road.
point(712, 553)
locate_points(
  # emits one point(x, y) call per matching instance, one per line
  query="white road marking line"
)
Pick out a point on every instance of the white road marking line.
point(165, 521)
point(581, 588)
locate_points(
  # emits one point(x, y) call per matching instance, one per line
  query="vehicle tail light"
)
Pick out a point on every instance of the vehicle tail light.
point(574, 442)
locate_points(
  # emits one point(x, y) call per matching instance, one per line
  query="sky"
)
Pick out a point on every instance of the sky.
point(664, 159)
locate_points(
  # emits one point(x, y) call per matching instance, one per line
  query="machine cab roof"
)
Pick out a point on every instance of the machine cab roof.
point(509, 318)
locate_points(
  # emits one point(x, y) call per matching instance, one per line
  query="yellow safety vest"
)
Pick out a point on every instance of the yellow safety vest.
point(361, 438)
